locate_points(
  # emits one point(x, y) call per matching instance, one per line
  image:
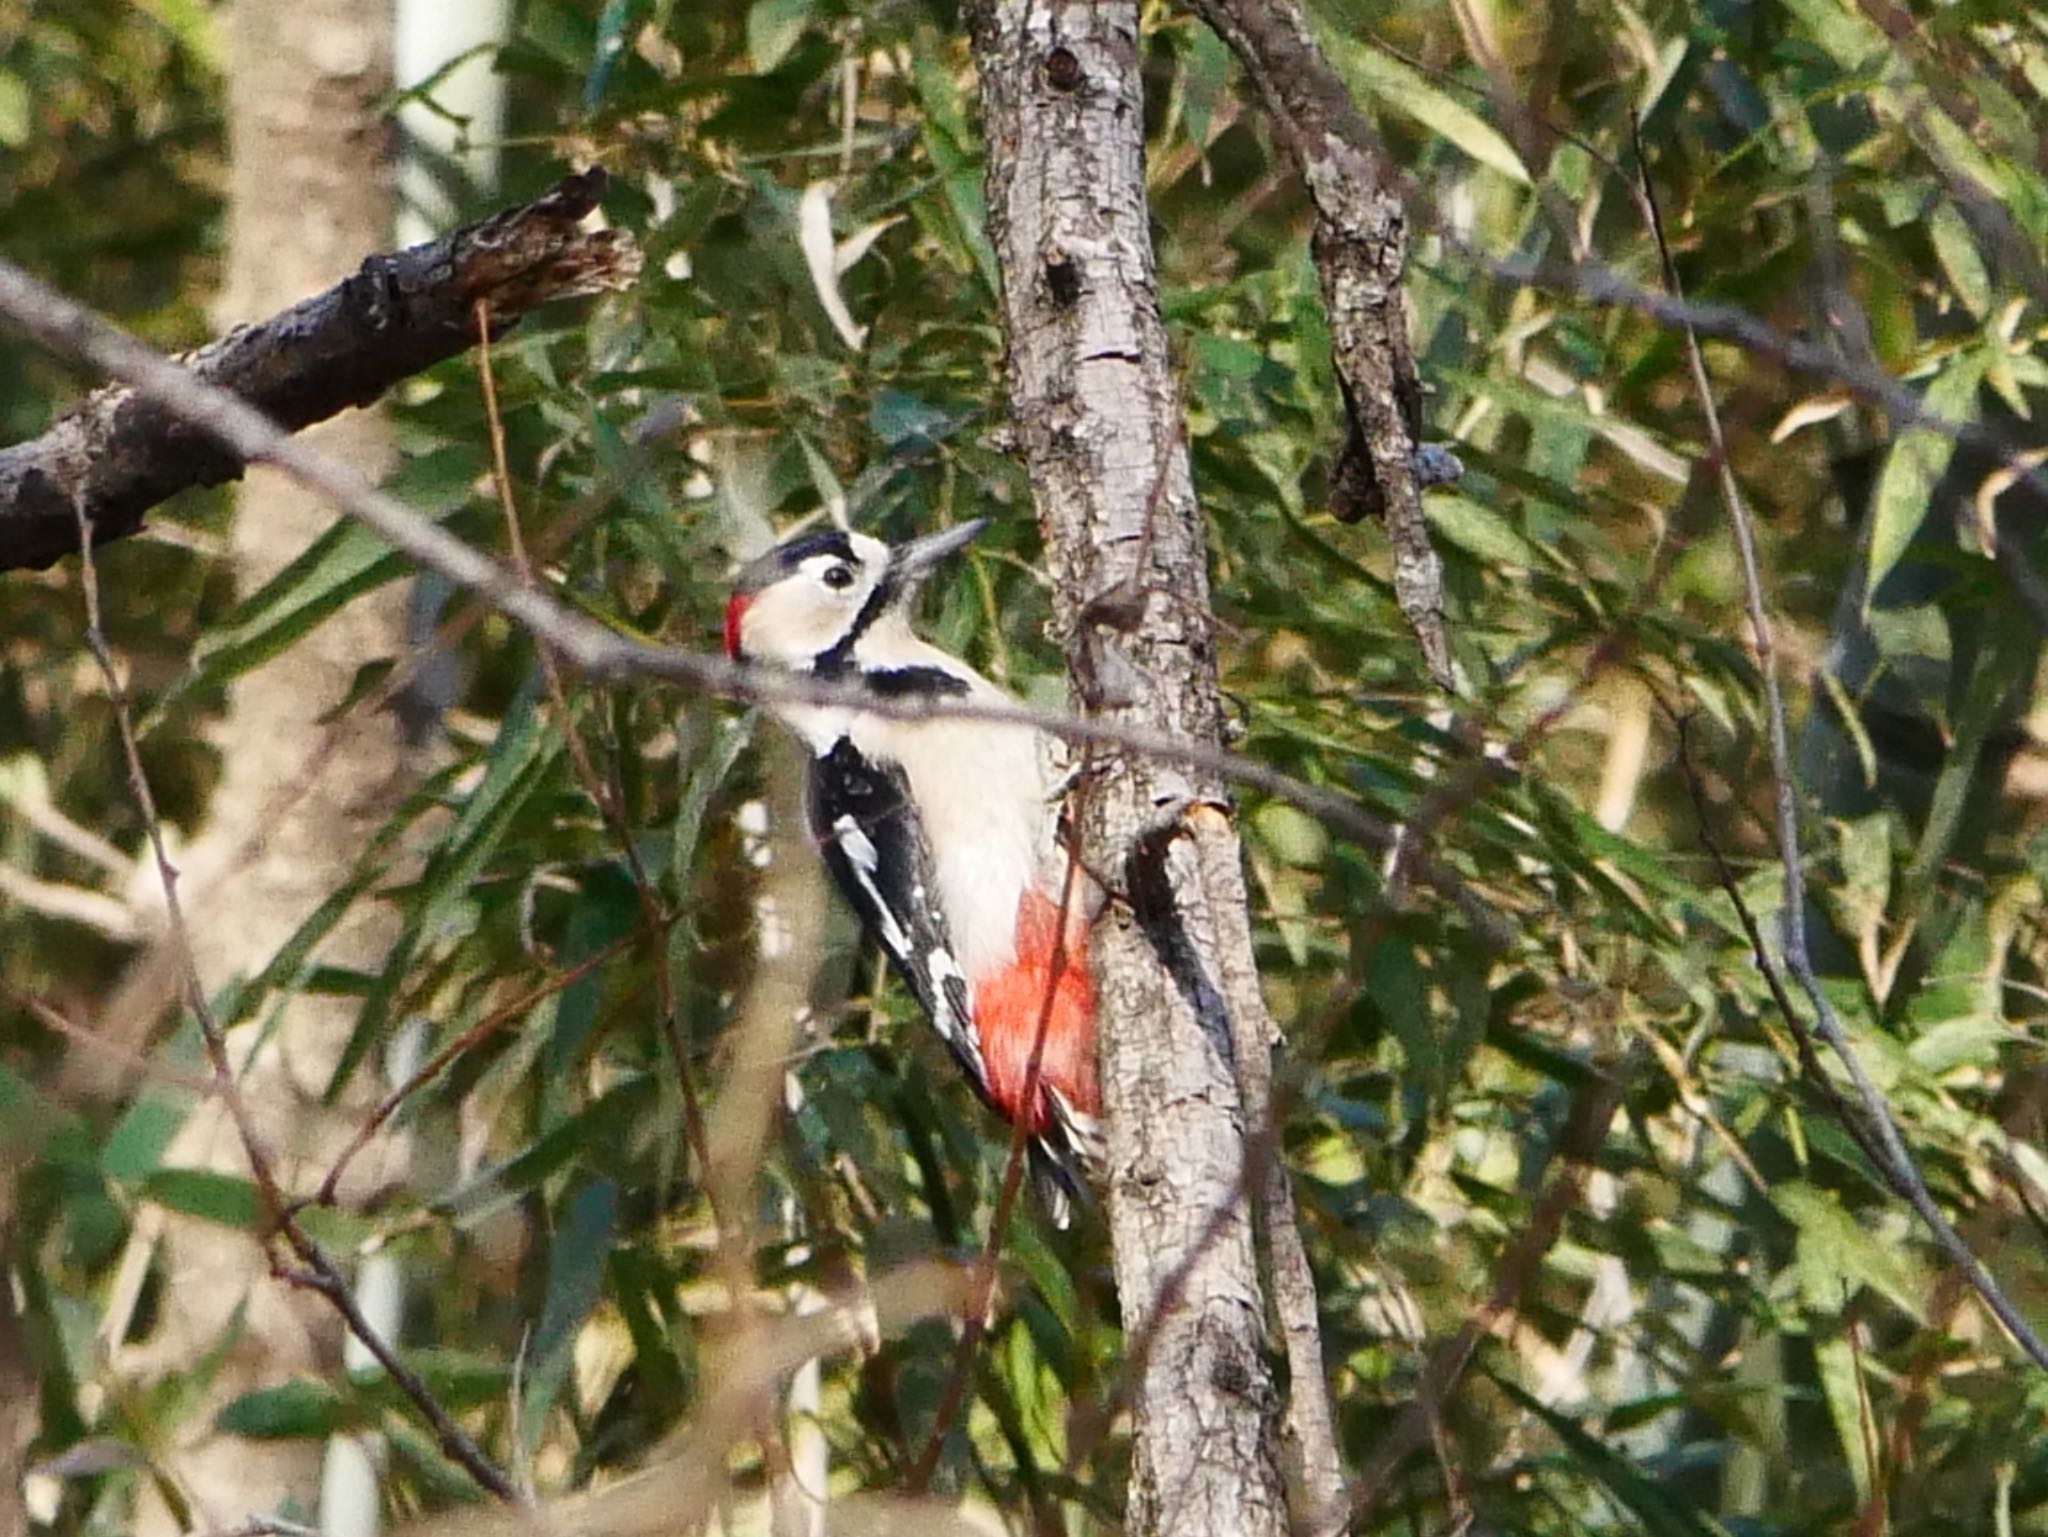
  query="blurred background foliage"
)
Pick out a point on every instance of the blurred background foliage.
point(1740, 1329)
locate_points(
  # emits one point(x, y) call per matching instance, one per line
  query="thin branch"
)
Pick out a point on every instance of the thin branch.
point(318, 1270)
point(1360, 246)
point(70, 329)
point(120, 452)
point(1890, 1154)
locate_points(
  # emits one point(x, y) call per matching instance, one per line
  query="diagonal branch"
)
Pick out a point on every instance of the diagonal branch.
point(121, 451)
point(1360, 247)
point(72, 330)
point(1880, 1136)
point(315, 1269)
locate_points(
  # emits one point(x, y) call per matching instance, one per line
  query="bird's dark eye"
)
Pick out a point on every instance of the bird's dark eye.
point(838, 577)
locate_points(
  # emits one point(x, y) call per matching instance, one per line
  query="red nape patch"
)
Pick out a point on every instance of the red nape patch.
point(735, 611)
point(1010, 1006)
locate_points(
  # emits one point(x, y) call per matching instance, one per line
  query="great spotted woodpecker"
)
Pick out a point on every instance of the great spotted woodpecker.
point(941, 831)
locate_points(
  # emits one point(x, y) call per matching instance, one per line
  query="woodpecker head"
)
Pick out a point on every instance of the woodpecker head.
point(809, 600)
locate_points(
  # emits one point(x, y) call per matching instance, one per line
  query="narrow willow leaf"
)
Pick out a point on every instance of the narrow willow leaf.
point(289, 1411)
point(522, 758)
point(1400, 88)
point(211, 1197)
point(773, 27)
point(1919, 456)
point(1663, 1512)
point(575, 1269)
point(342, 564)
point(1956, 248)
point(1841, 1386)
point(1479, 531)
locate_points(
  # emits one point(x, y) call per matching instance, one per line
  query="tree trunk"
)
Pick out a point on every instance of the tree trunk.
point(1099, 424)
point(308, 196)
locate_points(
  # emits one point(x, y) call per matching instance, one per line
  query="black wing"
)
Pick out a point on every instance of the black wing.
point(875, 848)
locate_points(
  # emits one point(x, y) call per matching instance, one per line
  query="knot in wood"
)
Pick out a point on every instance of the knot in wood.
point(1062, 278)
point(1062, 70)
point(1228, 1371)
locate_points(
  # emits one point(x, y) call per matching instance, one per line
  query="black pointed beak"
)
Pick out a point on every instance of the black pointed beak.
point(914, 559)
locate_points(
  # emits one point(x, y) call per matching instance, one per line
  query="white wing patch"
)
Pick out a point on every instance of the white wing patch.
point(861, 854)
point(949, 983)
point(945, 983)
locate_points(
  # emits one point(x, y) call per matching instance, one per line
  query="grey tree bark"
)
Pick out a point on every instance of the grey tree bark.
point(1361, 246)
point(1185, 1036)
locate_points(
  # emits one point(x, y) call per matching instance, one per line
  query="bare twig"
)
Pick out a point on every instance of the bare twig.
point(315, 1269)
point(1885, 1145)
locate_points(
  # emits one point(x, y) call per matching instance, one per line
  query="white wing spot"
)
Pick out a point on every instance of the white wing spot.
point(859, 847)
point(956, 1028)
point(1083, 1130)
point(862, 858)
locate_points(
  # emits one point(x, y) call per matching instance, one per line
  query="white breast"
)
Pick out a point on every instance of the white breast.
point(982, 796)
point(983, 790)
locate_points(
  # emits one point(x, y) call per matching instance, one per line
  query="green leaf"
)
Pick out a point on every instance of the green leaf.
point(341, 565)
point(289, 1411)
point(1662, 1512)
point(1401, 89)
point(1399, 990)
point(1849, 38)
point(1837, 1256)
point(1918, 457)
point(1835, 1357)
point(1956, 248)
point(522, 758)
point(16, 115)
point(207, 1195)
point(585, 1134)
point(135, 1147)
point(615, 29)
point(773, 27)
point(575, 1273)
point(1479, 531)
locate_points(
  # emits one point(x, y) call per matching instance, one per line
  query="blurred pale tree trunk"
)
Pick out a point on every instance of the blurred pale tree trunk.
point(309, 196)
point(18, 1403)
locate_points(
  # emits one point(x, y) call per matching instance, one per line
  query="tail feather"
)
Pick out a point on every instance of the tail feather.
point(1066, 1158)
point(1058, 1182)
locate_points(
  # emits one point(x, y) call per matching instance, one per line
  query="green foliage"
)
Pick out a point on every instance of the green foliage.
point(1735, 1313)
